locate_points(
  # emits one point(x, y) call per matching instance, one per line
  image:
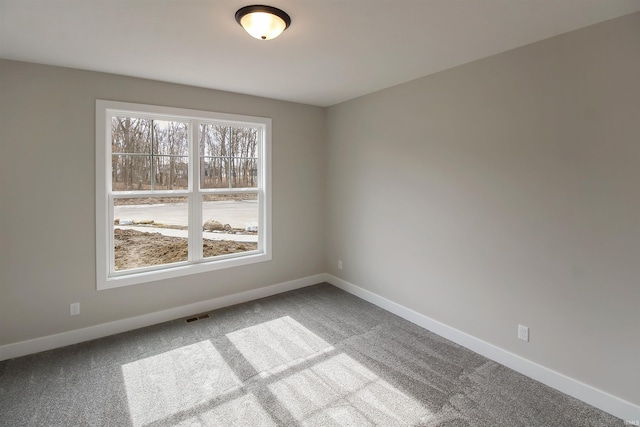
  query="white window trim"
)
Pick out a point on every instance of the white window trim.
point(106, 279)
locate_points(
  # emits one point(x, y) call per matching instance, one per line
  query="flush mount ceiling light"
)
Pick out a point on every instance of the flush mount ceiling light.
point(263, 22)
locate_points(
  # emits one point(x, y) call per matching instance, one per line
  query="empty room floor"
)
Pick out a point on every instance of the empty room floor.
point(313, 356)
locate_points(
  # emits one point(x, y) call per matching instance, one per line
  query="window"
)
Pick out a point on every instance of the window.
point(178, 192)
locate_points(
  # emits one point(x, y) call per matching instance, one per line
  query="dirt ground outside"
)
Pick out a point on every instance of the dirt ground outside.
point(134, 249)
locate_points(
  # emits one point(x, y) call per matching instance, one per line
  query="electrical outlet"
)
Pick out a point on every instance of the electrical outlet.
point(523, 333)
point(74, 309)
point(339, 264)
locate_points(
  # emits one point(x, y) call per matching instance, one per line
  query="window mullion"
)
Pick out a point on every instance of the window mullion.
point(110, 236)
point(229, 164)
point(261, 196)
point(153, 162)
point(195, 198)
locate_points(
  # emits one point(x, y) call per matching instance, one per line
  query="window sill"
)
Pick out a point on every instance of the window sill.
point(134, 278)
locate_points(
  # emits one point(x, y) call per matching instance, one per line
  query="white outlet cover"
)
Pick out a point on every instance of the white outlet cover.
point(523, 333)
point(74, 308)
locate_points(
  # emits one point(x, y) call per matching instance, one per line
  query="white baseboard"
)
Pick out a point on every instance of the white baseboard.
point(36, 345)
point(586, 393)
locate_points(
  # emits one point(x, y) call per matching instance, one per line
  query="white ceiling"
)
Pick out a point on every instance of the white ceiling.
point(334, 50)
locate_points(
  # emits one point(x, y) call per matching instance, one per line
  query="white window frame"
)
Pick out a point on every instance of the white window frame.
point(106, 276)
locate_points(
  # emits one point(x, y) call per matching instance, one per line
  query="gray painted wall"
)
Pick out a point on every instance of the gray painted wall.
point(504, 191)
point(47, 213)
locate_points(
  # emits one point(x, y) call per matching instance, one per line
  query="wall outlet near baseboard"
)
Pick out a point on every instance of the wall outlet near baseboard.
point(339, 264)
point(74, 309)
point(523, 333)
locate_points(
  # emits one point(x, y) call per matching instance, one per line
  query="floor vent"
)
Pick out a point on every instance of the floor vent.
point(198, 317)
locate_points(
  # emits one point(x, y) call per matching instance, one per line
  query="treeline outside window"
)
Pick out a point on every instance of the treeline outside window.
point(150, 154)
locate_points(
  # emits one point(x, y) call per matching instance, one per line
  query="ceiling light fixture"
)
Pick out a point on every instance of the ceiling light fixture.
point(263, 22)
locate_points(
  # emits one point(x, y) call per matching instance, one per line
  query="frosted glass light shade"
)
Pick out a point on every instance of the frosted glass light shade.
point(262, 25)
point(263, 22)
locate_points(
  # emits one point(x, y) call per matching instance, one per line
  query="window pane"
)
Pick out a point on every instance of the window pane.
point(171, 173)
point(170, 138)
point(243, 153)
point(228, 156)
point(230, 224)
point(130, 172)
point(149, 154)
point(130, 135)
point(244, 172)
point(214, 140)
point(214, 160)
point(214, 172)
point(150, 231)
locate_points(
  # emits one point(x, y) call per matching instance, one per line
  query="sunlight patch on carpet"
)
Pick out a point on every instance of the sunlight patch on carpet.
point(277, 344)
point(334, 389)
point(242, 411)
point(341, 390)
point(169, 383)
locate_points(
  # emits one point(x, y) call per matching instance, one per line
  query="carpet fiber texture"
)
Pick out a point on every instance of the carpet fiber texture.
point(315, 356)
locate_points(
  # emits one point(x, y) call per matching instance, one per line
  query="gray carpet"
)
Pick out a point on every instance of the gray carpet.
point(314, 356)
